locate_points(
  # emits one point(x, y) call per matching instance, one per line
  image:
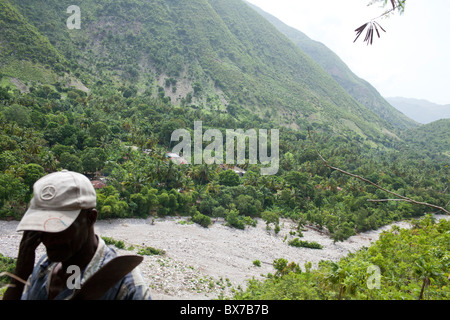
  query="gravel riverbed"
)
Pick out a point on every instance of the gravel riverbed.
point(203, 263)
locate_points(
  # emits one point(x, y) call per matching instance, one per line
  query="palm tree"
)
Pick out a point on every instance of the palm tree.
point(201, 174)
point(251, 179)
point(34, 146)
point(48, 161)
point(335, 277)
point(426, 271)
point(213, 187)
point(340, 276)
point(187, 184)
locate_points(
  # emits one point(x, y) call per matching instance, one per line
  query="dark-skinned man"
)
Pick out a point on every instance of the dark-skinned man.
point(62, 215)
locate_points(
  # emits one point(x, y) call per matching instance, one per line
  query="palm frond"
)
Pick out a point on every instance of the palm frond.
point(397, 5)
point(372, 25)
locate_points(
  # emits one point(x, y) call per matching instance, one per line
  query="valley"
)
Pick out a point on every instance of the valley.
point(110, 99)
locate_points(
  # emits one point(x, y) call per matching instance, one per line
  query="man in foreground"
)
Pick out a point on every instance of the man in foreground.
point(62, 215)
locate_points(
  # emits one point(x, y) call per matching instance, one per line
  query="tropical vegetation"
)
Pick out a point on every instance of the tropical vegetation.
point(104, 101)
point(404, 264)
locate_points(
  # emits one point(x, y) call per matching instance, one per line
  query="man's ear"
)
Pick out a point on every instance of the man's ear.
point(92, 215)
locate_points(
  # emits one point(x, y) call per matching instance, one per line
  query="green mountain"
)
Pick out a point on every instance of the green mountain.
point(433, 137)
point(422, 111)
point(359, 89)
point(25, 53)
point(211, 54)
point(105, 99)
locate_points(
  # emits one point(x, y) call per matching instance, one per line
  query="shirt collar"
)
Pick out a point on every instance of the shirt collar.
point(96, 262)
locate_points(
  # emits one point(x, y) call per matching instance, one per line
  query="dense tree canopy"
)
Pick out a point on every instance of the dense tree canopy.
point(127, 148)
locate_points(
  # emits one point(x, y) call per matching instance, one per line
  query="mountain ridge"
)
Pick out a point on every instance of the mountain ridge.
point(421, 110)
point(361, 90)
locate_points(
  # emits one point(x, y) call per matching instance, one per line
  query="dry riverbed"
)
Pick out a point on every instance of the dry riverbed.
point(202, 263)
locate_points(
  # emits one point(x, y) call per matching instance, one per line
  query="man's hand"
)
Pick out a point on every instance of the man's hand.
point(25, 263)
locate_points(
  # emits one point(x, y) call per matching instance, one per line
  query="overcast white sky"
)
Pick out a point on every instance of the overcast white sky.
point(410, 60)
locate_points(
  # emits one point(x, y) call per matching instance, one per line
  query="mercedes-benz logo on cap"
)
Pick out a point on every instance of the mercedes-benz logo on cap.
point(48, 193)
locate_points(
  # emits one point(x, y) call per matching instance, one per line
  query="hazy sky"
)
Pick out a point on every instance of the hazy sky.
point(410, 60)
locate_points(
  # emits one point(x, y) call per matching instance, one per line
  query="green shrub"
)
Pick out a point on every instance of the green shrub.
point(202, 220)
point(6, 265)
point(305, 244)
point(229, 178)
point(150, 251)
point(117, 243)
point(237, 221)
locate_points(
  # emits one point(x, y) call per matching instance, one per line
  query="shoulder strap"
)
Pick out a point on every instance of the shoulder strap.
point(101, 281)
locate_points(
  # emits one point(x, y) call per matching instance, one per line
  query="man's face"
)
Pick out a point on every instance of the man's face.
point(63, 245)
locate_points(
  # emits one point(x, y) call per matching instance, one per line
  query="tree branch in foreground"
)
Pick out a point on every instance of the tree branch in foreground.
point(401, 198)
point(397, 5)
point(11, 275)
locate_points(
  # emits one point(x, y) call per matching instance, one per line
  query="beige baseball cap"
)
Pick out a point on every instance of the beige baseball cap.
point(58, 199)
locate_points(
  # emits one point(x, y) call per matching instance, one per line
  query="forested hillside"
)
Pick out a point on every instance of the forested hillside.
point(104, 100)
point(104, 129)
point(52, 128)
point(26, 53)
point(433, 137)
point(218, 52)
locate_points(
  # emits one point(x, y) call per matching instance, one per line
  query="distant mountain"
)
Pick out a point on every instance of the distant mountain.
point(359, 89)
point(422, 111)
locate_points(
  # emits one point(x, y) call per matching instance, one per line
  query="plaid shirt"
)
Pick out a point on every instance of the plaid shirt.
point(131, 287)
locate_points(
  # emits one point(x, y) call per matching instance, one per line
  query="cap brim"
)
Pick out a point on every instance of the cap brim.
point(47, 221)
